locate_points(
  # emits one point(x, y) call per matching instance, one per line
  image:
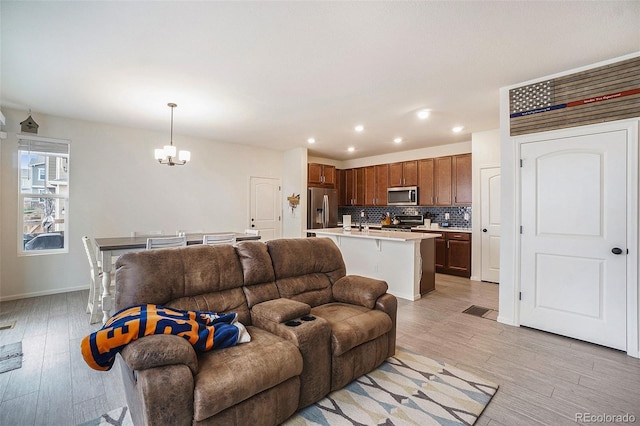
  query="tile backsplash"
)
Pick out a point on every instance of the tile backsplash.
point(436, 214)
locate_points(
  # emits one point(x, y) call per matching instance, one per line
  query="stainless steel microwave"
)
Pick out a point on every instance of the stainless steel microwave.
point(402, 196)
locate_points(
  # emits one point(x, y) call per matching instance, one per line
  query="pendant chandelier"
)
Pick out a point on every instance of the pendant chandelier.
point(167, 154)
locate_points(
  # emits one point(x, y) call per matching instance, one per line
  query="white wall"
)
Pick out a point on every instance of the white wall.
point(117, 187)
point(485, 150)
point(295, 182)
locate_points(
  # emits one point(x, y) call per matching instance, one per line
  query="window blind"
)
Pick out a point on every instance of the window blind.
point(40, 145)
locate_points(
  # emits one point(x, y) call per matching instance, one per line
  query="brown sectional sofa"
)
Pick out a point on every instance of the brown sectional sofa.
point(283, 368)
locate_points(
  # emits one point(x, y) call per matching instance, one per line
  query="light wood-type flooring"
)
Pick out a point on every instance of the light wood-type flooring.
point(544, 378)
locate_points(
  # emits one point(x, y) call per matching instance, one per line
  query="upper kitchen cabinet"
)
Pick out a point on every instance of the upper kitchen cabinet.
point(442, 181)
point(341, 187)
point(403, 174)
point(322, 175)
point(370, 186)
point(375, 185)
point(382, 179)
point(354, 187)
point(461, 179)
point(425, 182)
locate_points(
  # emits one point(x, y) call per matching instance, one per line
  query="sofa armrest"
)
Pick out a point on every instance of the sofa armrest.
point(159, 350)
point(359, 290)
point(279, 310)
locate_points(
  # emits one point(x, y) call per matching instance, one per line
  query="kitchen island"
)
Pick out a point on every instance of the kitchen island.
point(405, 260)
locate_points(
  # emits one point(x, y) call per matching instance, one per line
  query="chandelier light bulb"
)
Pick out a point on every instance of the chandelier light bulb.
point(167, 154)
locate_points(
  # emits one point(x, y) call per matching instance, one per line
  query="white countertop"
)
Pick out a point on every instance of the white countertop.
point(374, 234)
point(377, 226)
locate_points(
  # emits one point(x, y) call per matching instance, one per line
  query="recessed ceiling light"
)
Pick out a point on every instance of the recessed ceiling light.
point(351, 149)
point(424, 114)
point(311, 140)
point(359, 128)
point(457, 129)
point(397, 140)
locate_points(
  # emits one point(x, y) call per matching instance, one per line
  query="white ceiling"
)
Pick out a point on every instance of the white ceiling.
point(275, 73)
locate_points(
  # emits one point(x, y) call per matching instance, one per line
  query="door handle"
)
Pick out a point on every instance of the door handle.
point(616, 250)
point(484, 229)
point(253, 226)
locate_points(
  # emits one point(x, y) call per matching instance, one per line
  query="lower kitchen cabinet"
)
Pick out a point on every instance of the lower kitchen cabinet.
point(453, 253)
point(458, 254)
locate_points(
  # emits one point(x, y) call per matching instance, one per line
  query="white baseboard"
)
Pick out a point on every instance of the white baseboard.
point(43, 293)
point(508, 321)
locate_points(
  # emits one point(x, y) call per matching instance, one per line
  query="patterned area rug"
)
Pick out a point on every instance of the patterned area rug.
point(407, 389)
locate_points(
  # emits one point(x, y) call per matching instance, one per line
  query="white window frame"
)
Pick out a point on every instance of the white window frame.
point(43, 146)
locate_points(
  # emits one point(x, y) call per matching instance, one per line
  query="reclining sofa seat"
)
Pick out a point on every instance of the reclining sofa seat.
point(283, 368)
point(166, 382)
point(360, 313)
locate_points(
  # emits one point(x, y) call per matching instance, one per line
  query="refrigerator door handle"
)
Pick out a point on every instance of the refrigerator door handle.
point(325, 210)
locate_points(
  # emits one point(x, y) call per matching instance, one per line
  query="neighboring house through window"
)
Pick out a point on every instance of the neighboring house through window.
point(44, 195)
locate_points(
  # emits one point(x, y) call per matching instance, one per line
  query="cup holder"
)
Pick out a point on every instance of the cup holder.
point(308, 318)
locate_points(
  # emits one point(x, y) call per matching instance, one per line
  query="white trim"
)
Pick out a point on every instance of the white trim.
point(633, 260)
point(478, 225)
point(633, 301)
point(280, 201)
point(34, 137)
point(44, 293)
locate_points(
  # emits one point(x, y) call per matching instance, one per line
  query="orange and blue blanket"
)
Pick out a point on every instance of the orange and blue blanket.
point(204, 330)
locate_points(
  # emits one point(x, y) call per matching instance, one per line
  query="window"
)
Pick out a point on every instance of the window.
point(44, 195)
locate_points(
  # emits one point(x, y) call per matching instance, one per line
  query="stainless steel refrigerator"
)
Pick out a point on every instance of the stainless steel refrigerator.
point(323, 208)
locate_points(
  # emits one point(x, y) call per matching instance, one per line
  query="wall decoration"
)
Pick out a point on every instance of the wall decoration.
point(29, 125)
point(294, 200)
point(606, 93)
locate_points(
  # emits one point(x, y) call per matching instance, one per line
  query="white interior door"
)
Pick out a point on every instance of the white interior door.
point(573, 205)
point(490, 221)
point(265, 207)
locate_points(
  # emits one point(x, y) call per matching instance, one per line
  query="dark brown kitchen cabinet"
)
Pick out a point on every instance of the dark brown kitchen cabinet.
point(458, 254)
point(382, 179)
point(461, 179)
point(375, 185)
point(341, 187)
point(370, 186)
point(354, 187)
point(322, 175)
point(453, 253)
point(441, 253)
point(442, 181)
point(403, 174)
point(425, 182)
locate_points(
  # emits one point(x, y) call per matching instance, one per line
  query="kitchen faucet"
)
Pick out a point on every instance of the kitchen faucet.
point(365, 216)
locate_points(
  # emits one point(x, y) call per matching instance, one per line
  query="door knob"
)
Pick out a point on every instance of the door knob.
point(253, 226)
point(484, 229)
point(616, 250)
